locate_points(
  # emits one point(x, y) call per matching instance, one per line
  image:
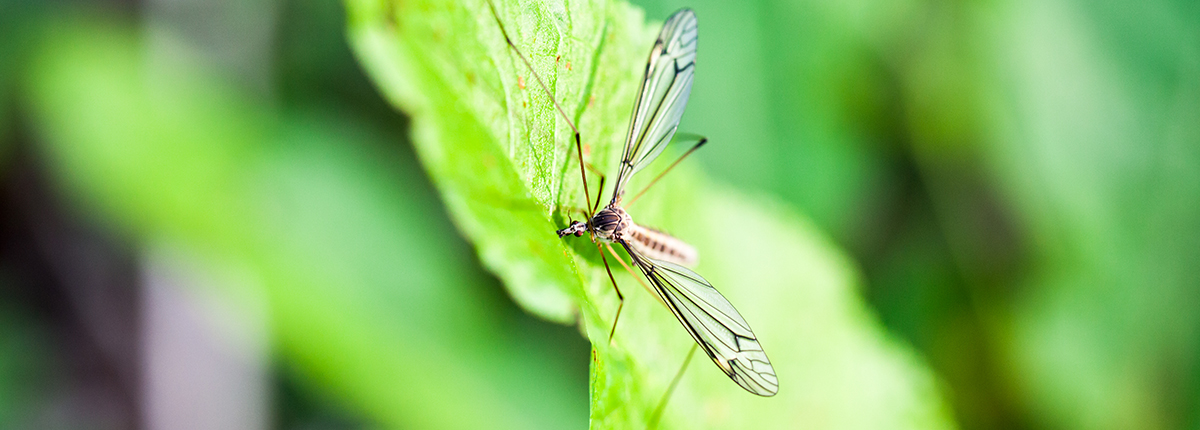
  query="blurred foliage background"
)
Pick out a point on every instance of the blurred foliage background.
point(202, 198)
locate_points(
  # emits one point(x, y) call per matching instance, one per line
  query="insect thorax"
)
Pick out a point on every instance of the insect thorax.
point(609, 223)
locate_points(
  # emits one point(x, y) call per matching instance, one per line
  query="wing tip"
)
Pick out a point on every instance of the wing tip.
point(762, 383)
point(682, 13)
point(762, 390)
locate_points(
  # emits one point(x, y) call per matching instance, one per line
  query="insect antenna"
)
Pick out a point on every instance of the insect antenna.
point(578, 144)
point(702, 141)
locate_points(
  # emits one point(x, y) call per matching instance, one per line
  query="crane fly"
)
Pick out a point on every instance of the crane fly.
point(707, 316)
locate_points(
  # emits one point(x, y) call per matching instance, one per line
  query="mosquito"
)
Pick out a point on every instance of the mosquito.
point(707, 316)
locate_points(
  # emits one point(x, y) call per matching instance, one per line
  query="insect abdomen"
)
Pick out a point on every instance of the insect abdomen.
point(660, 246)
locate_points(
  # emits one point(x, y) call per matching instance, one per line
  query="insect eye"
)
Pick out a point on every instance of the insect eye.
point(578, 233)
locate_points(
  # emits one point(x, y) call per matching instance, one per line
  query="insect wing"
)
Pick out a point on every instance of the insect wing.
point(662, 97)
point(713, 323)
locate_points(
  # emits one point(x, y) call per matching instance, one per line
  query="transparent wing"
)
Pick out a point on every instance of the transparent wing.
point(663, 96)
point(713, 323)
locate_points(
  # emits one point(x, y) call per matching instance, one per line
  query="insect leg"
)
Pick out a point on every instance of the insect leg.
point(570, 209)
point(620, 297)
point(667, 396)
point(561, 112)
point(635, 275)
point(594, 169)
point(702, 141)
point(599, 191)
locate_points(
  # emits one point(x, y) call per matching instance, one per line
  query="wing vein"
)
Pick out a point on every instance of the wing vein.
point(662, 97)
point(711, 321)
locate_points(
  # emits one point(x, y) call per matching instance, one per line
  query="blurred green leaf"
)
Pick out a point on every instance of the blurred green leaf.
point(1101, 157)
point(1084, 116)
point(24, 356)
point(370, 293)
point(503, 161)
point(797, 99)
point(15, 17)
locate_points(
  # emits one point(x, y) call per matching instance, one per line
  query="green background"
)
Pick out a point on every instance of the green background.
point(975, 214)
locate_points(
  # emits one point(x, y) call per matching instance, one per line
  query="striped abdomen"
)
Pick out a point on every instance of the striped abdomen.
point(658, 245)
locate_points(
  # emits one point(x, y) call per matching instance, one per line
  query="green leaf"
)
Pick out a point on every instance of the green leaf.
point(505, 165)
point(25, 377)
point(370, 294)
point(1096, 143)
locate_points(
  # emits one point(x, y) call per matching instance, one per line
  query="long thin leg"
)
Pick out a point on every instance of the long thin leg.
point(635, 275)
point(587, 215)
point(563, 113)
point(620, 296)
point(594, 169)
point(596, 204)
point(571, 209)
point(598, 192)
point(662, 404)
point(664, 172)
